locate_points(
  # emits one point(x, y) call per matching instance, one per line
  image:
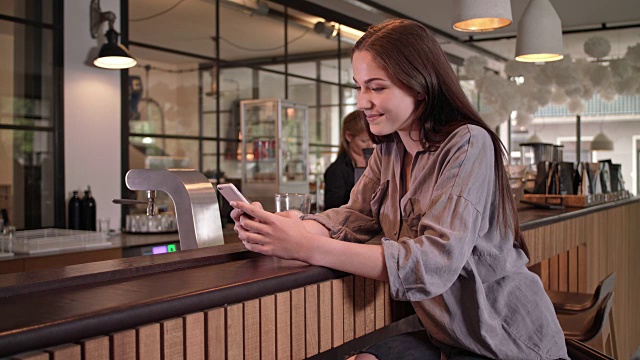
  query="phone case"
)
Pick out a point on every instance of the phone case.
point(231, 193)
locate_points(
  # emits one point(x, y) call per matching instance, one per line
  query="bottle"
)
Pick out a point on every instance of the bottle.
point(75, 211)
point(88, 212)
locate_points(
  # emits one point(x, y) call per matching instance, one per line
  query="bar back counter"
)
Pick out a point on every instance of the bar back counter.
point(223, 302)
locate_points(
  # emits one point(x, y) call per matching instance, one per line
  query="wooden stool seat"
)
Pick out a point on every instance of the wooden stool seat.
point(564, 301)
point(588, 317)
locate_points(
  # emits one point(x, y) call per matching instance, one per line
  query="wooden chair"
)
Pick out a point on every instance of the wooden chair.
point(588, 317)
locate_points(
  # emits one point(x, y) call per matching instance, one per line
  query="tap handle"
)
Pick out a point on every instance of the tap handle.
point(128, 201)
point(150, 202)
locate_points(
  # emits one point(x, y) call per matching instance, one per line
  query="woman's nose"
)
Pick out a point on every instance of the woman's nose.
point(363, 101)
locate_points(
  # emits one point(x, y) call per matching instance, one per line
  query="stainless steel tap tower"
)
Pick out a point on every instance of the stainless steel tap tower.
point(195, 200)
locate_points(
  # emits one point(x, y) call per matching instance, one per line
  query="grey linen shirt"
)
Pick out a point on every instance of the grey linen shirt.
point(446, 252)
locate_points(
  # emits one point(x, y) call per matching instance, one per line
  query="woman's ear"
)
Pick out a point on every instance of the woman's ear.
point(420, 96)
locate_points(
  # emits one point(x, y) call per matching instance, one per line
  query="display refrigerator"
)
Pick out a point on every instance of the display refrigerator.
point(275, 149)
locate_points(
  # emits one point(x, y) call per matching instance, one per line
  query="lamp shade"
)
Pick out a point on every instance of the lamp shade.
point(478, 16)
point(539, 36)
point(601, 142)
point(113, 55)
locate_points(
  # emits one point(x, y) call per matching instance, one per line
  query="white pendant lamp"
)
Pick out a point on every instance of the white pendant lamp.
point(601, 142)
point(478, 16)
point(539, 36)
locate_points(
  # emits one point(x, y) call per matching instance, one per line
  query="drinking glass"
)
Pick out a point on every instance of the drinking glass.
point(290, 201)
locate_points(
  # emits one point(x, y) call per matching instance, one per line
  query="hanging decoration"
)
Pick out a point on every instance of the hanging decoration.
point(568, 82)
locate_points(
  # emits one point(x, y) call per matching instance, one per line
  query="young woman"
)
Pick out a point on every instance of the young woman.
point(340, 175)
point(437, 188)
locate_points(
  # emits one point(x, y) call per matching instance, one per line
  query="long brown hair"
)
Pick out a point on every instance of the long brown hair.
point(353, 124)
point(411, 57)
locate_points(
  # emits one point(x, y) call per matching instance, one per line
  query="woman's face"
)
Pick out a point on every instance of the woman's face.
point(358, 142)
point(387, 106)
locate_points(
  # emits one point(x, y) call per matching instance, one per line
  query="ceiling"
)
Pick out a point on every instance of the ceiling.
point(190, 25)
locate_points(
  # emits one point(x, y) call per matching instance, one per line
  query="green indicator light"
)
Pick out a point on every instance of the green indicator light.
point(171, 248)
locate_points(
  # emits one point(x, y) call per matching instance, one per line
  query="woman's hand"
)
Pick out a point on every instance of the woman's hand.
point(281, 234)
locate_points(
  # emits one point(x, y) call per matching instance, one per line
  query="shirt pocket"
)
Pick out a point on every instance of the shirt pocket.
point(377, 199)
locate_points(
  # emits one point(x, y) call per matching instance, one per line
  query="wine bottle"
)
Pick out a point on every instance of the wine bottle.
point(75, 210)
point(88, 214)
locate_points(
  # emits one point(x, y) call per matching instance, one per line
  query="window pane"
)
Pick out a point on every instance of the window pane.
point(231, 160)
point(26, 178)
point(164, 99)
point(271, 85)
point(302, 91)
point(171, 31)
point(158, 153)
point(31, 10)
point(329, 70)
point(26, 81)
point(329, 94)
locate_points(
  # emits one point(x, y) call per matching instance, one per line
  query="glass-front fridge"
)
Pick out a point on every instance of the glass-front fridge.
point(275, 149)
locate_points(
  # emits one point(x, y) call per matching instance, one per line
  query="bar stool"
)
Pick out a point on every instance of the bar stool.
point(588, 317)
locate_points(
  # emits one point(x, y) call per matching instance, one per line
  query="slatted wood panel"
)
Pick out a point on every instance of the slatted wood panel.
point(574, 254)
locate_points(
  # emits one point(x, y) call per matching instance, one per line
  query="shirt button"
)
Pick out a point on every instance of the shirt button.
point(395, 233)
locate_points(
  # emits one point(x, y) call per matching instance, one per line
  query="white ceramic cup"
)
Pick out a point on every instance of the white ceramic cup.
point(289, 201)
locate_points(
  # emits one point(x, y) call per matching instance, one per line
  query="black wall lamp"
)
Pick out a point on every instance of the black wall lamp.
point(112, 55)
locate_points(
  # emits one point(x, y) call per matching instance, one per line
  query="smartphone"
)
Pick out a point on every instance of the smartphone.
point(231, 193)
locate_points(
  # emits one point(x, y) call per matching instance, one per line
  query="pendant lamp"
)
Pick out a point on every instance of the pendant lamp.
point(478, 16)
point(601, 142)
point(112, 55)
point(539, 36)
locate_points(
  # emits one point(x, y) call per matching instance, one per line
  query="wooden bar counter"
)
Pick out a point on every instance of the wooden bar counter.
point(226, 303)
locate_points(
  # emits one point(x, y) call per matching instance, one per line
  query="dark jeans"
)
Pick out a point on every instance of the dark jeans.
point(416, 346)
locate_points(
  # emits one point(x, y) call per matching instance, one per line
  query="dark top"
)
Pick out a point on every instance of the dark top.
point(338, 182)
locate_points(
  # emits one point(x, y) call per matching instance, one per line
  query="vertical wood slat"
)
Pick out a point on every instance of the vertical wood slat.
point(252, 329)
point(298, 348)
point(337, 299)
point(324, 317)
point(194, 336)
point(268, 327)
point(123, 345)
point(283, 325)
point(216, 334)
point(96, 348)
point(65, 352)
point(369, 306)
point(235, 332)
point(149, 342)
point(387, 305)
point(358, 308)
point(311, 319)
point(379, 304)
point(172, 333)
point(348, 308)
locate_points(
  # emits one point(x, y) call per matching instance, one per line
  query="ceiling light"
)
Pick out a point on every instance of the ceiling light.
point(478, 16)
point(327, 29)
point(112, 55)
point(601, 142)
point(539, 36)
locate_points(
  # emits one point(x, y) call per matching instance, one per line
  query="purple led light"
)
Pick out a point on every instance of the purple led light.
point(159, 249)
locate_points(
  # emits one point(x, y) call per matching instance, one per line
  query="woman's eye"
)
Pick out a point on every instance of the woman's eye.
point(377, 89)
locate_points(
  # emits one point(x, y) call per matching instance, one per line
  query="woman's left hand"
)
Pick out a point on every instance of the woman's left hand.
point(280, 234)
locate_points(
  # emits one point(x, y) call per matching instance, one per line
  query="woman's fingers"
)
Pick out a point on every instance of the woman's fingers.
point(254, 210)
